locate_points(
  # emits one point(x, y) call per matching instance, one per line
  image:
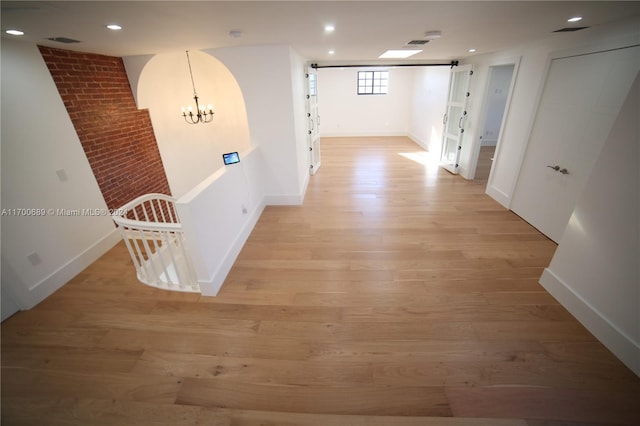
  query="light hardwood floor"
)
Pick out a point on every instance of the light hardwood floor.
point(398, 294)
point(485, 160)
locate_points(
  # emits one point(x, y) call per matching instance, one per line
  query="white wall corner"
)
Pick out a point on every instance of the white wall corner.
point(284, 200)
point(465, 172)
point(498, 195)
point(622, 345)
point(212, 286)
point(419, 141)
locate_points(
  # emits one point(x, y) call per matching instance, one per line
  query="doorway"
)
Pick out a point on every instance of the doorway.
point(495, 104)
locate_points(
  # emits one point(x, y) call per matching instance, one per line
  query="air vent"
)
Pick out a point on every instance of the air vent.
point(417, 42)
point(569, 29)
point(64, 40)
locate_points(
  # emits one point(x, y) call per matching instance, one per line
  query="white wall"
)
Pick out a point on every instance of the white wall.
point(31, 155)
point(218, 216)
point(428, 106)
point(191, 153)
point(345, 113)
point(530, 76)
point(595, 272)
point(264, 74)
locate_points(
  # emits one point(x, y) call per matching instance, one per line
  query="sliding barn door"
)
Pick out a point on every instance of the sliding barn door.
point(313, 120)
point(455, 118)
point(581, 99)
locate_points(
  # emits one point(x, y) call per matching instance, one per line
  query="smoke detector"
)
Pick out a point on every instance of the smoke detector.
point(432, 35)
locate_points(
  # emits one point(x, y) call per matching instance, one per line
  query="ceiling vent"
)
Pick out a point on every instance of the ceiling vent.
point(64, 40)
point(569, 29)
point(417, 42)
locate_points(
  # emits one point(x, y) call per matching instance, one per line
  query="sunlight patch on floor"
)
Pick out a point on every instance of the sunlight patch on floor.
point(427, 159)
point(421, 157)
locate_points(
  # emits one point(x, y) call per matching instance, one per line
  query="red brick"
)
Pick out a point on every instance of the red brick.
point(117, 138)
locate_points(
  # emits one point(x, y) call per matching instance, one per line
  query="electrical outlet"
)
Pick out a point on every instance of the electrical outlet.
point(62, 175)
point(34, 258)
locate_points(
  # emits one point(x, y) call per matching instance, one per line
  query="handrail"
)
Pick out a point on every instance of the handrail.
point(119, 216)
point(154, 237)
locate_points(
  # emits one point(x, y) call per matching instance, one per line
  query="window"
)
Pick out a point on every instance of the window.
point(373, 82)
point(313, 84)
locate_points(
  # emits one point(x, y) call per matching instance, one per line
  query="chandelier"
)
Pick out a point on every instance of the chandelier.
point(202, 114)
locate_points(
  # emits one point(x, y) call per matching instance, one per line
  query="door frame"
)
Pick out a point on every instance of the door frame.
point(476, 142)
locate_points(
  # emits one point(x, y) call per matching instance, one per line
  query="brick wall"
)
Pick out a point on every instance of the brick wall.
point(117, 138)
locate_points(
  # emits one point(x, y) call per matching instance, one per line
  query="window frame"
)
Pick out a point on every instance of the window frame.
point(380, 77)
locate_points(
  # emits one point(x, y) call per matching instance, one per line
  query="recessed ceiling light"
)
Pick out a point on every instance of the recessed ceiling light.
point(329, 28)
point(399, 54)
point(15, 32)
point(114, 27)
point(331, 52)
point(472, 50)
point(575, 19)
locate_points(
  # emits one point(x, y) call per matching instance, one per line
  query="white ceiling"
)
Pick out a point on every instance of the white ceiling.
point(363, 29)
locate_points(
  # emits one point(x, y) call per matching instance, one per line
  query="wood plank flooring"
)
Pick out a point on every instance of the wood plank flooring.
point(485, 161)
point(398, 294)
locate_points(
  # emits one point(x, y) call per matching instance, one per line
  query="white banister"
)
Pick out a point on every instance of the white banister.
point(154, 237)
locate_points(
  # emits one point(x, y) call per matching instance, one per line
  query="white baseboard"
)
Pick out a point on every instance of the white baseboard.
point(611, 336)
point(423, 144)
point(498, 195)
point(287, 200)
point(359, 134)
point(212, 286)
point(38, 292)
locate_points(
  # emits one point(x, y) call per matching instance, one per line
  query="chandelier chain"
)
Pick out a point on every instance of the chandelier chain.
point(191, 75)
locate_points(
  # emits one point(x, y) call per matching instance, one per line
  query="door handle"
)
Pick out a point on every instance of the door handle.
point(444, 118)
point(556, 168)
point(564, 171)
point(462, 117)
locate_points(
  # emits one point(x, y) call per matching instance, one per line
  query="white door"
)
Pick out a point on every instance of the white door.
point(313, 120)
point(455, 118)
point(580, 102)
